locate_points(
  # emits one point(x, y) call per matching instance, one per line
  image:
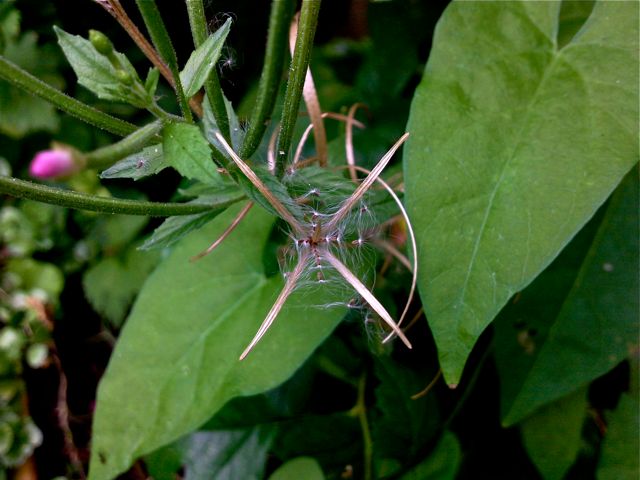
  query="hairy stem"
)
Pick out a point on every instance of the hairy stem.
point(281, 12)
point(212, 87)
point(24, 80)
point(107, 156)
point(297, 74)
point(82, 201)
point(162, 42)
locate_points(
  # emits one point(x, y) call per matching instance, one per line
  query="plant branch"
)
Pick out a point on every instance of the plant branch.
point(62, 411)
point(360, 410)
point(107, 156)
point(199, 31)
point(116, 11)
point(162, 42)
point(25, 81)
point(82, 201)
point(281, 12)
point(297, 75)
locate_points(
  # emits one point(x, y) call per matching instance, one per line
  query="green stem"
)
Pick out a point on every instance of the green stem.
point(82, 201)
point(107, 156)
point(360, 410)
point(277, 46)
point(24, 80)
point(162, 42)
point(297, 72)
point(212, 87)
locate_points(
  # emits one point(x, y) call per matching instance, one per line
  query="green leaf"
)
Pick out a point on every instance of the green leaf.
point(442, 464)
point(619, 456)
point(151, 82)
point(336, 440)
point(515, 143)
point(33, 275)
point(203, 60)
point(21, 113)
point(210, 126)
point(298, 468)
point(96, 73)
point(187, 151)
point(116, 231)
point(402, 426)
point(174, 229)
point(552, 436)
point(596, 327)
point(112, 284)
point(226, 455)
point(181, 343)
point(149, 161)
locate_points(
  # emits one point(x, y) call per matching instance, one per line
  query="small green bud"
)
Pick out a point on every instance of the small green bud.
point(100, 42)
point(124, 77)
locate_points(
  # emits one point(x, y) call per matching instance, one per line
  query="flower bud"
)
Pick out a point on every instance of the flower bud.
point(124, 77)
point(100, 42)
point(54, 163)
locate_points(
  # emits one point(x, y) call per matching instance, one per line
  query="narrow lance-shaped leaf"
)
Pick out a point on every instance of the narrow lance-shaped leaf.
point(203, 60)
point(515, 143)
point(174, 228)
point(148, 161)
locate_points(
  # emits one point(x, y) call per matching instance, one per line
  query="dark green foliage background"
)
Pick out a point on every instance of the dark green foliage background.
point(558, 364)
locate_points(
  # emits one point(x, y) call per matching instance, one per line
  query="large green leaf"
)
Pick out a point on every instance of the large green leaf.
point(515, 143)
point(442, 464)
point(401, 426)
point(597, 325)
point(222, 454)
point(176, 362)
point(111, 284)
point(552, 436)
point(226, 455)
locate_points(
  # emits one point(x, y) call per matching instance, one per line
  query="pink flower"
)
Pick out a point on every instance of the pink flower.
point(54, 163)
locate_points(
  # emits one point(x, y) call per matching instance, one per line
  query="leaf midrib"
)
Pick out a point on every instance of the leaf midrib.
point(525, 123)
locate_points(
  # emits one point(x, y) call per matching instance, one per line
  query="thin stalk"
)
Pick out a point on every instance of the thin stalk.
point(162, 41)
point(81, 201)
point(212, 87)
point(114, 8)
point(360, 411)
point(297, 75)
point(25, 81)
point(281, 12)
point(107, 156)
